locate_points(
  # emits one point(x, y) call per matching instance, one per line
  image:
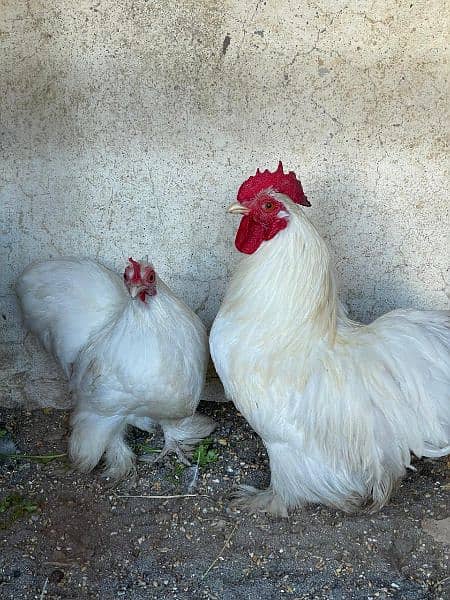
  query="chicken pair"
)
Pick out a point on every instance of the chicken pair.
point(339, 406)
point(134, 354)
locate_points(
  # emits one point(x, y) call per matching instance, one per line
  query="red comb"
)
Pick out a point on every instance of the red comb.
point(284, 183)
point(136, 270)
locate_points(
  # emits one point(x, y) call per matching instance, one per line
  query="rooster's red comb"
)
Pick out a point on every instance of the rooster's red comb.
point(279, 181)
point(136, 270)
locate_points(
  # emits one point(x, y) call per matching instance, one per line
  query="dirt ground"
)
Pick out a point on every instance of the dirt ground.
point(67, 535)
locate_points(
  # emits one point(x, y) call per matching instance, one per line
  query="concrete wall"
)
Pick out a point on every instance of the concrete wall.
point(126, 128)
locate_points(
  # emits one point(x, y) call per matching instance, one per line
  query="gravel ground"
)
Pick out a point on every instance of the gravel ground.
point(74, 536)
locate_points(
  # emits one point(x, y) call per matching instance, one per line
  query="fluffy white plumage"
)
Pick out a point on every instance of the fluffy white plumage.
point(339, 406)
point(129, 361)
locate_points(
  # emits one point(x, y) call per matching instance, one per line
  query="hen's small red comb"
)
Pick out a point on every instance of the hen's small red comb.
point(136, 270)
point(279, 181)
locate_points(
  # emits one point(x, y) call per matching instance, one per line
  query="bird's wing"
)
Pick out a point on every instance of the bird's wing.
point(65, 300)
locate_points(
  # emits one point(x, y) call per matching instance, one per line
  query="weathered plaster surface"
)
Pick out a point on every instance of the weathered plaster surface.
point(126, 128)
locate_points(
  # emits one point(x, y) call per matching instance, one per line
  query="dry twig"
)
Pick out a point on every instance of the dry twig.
point(44, 589)
point(227, 541)
point(166, 497)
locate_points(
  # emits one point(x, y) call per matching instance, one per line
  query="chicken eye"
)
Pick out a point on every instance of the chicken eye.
point(269, 206)
point(152, 278)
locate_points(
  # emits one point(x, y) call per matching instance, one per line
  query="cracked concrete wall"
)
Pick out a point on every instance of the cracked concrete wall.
point(126, 128)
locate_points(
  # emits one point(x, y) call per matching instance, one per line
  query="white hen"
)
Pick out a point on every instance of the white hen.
point(132, 351)
point(339, 406)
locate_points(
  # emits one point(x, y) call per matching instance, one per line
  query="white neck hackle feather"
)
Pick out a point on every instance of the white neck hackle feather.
point(289, 276)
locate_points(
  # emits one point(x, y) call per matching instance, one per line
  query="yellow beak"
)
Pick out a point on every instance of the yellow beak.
point(135, 290)
point(238, 209)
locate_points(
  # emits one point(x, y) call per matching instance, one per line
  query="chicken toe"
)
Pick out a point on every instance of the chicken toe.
point(171, 446)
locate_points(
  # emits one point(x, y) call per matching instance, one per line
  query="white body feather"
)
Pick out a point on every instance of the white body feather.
point(339, 405)
point(128, 361)
point(64, 300)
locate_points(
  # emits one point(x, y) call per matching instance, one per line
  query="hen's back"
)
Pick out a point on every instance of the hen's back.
point(65, 300)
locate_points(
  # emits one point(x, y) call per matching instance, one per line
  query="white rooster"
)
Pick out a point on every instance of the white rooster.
point(132, 351)
point(339, 405)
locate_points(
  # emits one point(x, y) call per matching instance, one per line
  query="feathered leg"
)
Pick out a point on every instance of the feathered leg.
point(269, 500)
point(119, 458)
point(92, 436)
point(143, 423)
point(253, 500)
point(181, 435)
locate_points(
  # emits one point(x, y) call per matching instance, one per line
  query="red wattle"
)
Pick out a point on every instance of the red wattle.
point(249, 236)
point(252, 234)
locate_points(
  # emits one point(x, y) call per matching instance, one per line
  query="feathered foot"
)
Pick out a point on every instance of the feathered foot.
point(188, 431)
point(94, 436)
point(143, 423)
point(170, 446)
point(253, 500)
point(119, 460)
point(91, 435)
point(181, 436)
